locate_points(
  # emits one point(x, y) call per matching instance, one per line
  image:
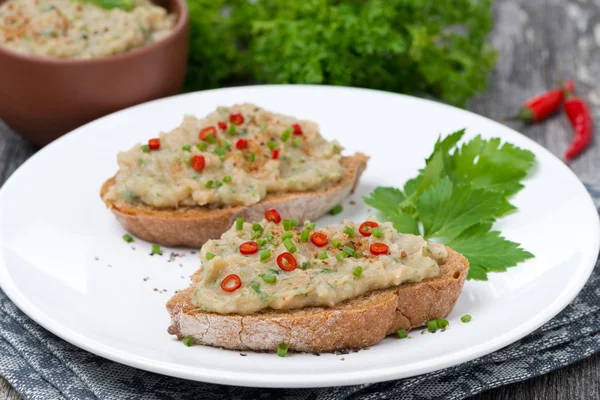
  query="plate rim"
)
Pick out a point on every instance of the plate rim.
point(270, 380)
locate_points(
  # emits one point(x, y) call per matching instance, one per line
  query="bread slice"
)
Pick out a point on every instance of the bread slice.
point(193, 226)
point(353, 324)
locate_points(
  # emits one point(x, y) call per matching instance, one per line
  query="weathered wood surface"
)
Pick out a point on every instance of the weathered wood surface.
point(539, 42)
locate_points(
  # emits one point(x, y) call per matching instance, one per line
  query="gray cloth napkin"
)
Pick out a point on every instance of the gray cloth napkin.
point(42, 366)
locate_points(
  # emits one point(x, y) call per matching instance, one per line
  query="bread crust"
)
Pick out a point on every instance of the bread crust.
point(353, 324)
point(193, 226)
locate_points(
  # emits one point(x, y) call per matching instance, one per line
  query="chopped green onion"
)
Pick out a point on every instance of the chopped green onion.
point(218, 183)
point(257, 227)
point(336, 210)
point(271, 145)
point(337, 149)
point(358, 254)
point(340, 256)
point(336, 243)
point(282, 349)
point(291, 247)
point(156, 249)
point(232, 129)
point(202, 146)
point(187, 147)
point(210, 256)
point(304, 235)
point(261, 242)
point(210, 138)
point(286, 135)
point(251, 156)
point(357, 271)
point(269, 278)
point(188, 341)
point(442, 323)
point(287, 235)
point(227, 179)
point(209, 184)
point(323, 255)
point(294, 223)
point(265, 255)
point(145, 148)
point(432, 325)
point(465, 318)
point(297, 142)
point(377, 232)
point(349, 251)
point(287, 224)
point(305, 265)
point(402, 333)
point(311, 226)
point(220, 152)
point(349, 231)
point(226, 146)
point(256, 234)
point(127, 237)
point(269, 236)
point(239, 223)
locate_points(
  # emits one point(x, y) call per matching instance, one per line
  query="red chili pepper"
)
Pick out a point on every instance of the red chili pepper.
point(241, 144)
point(248, 248)
point(154, 144)
point(297, 129)
point(236, 118)
point(319, 239)
point(275, 154)
point(542, 106)
point(211, 130)
point(272, 215)
point(379, 248)
point(198, 162)
point(579, 114)
point(365, 227)
point(222, 125)
point(231, 283)
point(286, 261)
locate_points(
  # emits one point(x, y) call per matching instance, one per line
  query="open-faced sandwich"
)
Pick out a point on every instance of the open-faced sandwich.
point(190, 184)
point(314, 290)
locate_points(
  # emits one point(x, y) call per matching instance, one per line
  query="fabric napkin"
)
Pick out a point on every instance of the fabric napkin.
point(42, 366)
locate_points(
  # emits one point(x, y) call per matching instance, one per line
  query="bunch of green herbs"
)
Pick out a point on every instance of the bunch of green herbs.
point(428, 47)
point(457, 197)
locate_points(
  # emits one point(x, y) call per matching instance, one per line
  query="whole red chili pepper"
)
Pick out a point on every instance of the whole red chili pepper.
point(579, 114)
point(542, 106)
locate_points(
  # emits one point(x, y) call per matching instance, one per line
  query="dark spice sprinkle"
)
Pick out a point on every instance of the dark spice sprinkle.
point(352, 202)
point(243, 354)
point(96, 258)
point(109, 266)
point(155, 289)
point(146, 278)
point(316, 354)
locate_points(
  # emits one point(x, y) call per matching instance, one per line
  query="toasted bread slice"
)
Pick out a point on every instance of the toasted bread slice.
point(353, 324)
point(193, 226)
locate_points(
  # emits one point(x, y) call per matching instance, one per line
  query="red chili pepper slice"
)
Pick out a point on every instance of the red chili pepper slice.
point(272, 215)
point(236, 118)
point(365, 227)
point(275, 154)
point(248, 248)
point(297, 129)
point(231, 283)
point(222, 125)
point(379, 248)
point(241, 144)
point(198, 162)
point(581, 120)
point(287, 262)
point(154, 144)
point(211, 130)
point(319, 239)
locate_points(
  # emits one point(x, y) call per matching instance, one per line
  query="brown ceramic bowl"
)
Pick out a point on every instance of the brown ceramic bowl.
point(44, 98)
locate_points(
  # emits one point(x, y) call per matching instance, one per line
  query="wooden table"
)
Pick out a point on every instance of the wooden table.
point(538, 42)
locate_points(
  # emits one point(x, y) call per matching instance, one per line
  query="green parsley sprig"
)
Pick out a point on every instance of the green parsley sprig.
point(110, 4)
point(458, 196)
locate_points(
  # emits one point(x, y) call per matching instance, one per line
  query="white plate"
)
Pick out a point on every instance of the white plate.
point(53, 226)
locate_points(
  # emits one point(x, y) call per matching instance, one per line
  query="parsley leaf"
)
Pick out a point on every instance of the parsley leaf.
point(457, 197)
point(488, 252)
